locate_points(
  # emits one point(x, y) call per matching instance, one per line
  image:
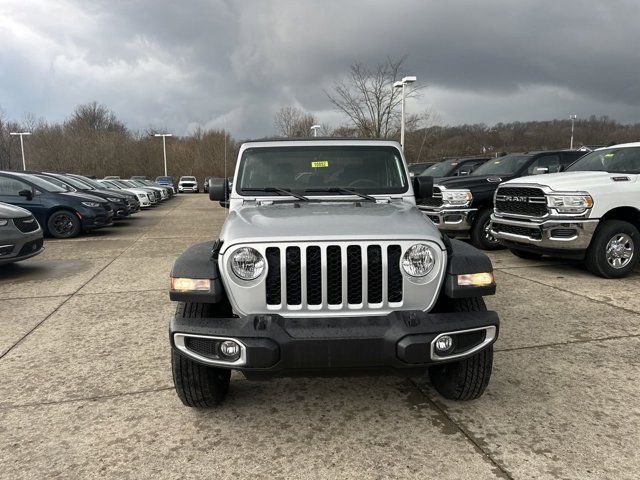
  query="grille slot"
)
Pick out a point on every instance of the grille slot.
point(26, 224)
point(333, 276)
point(30, 247)
point(274, 296)
point(521, 201)
point(533, 233)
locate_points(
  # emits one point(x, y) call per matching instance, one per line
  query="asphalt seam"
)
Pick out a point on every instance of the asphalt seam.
point(569, 342)
point(26, 335)
point(601, 302)
point(465, 433)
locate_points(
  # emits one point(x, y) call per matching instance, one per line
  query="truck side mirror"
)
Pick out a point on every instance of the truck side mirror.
point(422, 186)
point(28, 194)
point(218, 189)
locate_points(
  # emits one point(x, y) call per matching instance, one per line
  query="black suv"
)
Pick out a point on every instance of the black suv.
point(462, 206)
point(61, 213)
point(454, 167)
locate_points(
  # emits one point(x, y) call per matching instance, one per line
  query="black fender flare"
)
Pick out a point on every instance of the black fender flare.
point(463, 259)
point(199, 261)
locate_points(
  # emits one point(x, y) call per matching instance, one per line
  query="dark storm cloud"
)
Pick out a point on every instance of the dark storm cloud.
point(180, 65)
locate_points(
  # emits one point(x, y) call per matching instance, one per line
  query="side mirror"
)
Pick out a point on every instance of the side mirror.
point(218, 189)
point(28, 194)
point(422, 186)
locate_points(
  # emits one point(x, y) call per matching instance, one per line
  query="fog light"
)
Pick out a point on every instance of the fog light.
point(230, 349)
point(444, 344)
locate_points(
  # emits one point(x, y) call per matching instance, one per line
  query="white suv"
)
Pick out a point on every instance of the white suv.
point(188, 184)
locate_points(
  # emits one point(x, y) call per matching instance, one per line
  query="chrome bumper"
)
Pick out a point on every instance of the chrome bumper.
point(450, 219)
point(547, 234)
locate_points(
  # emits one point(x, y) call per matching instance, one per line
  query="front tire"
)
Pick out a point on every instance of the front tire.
point(481, 236)
point(613, 252)
point(464, 379)
point(64, 224)
point(198, 385)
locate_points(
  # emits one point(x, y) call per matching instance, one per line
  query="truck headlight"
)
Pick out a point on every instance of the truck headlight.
point(570, 203)
point(458, 198)
point(418, 260)
point(247, 263)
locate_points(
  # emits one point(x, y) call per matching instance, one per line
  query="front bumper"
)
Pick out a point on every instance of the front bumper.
point(16, 245)
point(184, 188)
point(401, 342)
point(450, 220)
point(92, 220)
point(552, 234)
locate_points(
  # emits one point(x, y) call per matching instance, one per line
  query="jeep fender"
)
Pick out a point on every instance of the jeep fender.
point(465, 259)
point(199, 261)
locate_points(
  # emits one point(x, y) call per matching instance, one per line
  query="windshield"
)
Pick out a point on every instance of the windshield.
point(76, 183)
point(164, 179)
point(55, 181)
point(375, 169)
point(441, 169)
point(417, 167)
point(507, 165)
point(187, 179)
point(612, 160)
point(45, 185)
point(91, 182)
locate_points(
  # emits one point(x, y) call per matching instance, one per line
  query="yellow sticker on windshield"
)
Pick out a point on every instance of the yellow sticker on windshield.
point(607, 155)
point(323, 163)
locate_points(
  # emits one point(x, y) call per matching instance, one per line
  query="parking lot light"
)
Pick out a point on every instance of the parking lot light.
point(164, 147)
point(21, 134)
point(402, 84)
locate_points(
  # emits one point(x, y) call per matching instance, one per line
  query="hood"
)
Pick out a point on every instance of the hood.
point(574, 181)
point(84, 197)
point(471, 181)
point(11, 211)
point(322, 221)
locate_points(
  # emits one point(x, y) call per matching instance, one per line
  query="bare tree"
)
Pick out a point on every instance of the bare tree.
point(293, 122)
point(368, 99)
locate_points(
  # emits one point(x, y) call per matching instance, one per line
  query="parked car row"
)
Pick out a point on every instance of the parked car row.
point(561, 203)
point(34, 204)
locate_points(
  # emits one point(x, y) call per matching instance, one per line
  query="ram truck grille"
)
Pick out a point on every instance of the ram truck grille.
point(525, 201)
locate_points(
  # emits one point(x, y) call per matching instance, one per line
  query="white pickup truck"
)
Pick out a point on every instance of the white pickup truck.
point(590, 212)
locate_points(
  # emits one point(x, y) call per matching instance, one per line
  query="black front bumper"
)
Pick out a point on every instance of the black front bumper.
point(400, 342)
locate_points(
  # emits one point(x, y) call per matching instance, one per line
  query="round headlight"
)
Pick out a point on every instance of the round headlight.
point(418, 260)
point(247, 263)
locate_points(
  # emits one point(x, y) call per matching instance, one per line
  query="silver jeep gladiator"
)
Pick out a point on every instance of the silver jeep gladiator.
point(324, 266)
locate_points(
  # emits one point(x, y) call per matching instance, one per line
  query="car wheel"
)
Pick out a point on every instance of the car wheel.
point(525, 255)
point(481, 236)
point(64, 224)
point(198, 385)
point(613, 252)
point(464, 379)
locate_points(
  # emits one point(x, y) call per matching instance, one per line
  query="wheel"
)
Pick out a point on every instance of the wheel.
point(525, 255)
point(198, 385)
point(481, 236)
point(64, 224)
point(465, 379)
point(613, 252)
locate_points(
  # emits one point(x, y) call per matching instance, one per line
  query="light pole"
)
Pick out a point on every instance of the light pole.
point(164, 148)
point(573, 119)
point(315, 128)
point(21, 134)
point(401, 84)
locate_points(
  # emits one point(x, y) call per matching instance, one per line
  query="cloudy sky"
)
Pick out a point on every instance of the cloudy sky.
point(178, 65)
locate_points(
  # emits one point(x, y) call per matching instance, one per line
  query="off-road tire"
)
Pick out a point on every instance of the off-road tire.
point(71, 228)
point(596, 257)
point(478, 233)
point(525, 255)
point(465, 379)
point(198, 385)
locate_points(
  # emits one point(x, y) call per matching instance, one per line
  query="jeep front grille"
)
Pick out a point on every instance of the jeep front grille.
point(521, 201)
point(355, 275)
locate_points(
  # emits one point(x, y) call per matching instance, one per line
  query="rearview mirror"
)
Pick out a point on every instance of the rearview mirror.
point(218, 189)
point(422, 186)
point(28, 194)
point(462, 173)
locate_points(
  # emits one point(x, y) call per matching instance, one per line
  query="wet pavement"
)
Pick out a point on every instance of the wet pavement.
point(86, 388)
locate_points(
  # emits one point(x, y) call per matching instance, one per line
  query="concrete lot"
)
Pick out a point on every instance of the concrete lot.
point(86, 386)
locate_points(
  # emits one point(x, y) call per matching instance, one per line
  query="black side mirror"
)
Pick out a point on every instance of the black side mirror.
point(28, 194)
point(218, 189)
point(562, 168)
point(422, 187)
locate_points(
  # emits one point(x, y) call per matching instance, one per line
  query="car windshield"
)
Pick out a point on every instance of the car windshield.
point(164, 179)
point(314, 169)
point(45, 185)
point(76, 183)
point(55, 181)
point(110, 184)
point(188, 179)
point(417, 167)
point(612, 160)
point(507, 165)
point(91, 182)
point(441, 169)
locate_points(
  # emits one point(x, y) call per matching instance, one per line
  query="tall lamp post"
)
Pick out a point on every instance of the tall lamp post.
point(573, 119)
point(164, 148)
point(315, 128)
point(21, 134)
point(402, 84)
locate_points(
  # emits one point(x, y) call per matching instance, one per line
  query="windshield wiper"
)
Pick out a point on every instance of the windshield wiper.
point(342, 191)
point(279, 191)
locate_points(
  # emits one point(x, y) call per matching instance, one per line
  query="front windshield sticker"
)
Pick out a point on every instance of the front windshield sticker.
point(321, 164)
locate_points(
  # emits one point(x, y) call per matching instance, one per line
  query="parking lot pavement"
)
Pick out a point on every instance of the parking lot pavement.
point(86, 385)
